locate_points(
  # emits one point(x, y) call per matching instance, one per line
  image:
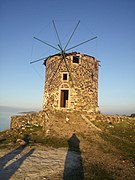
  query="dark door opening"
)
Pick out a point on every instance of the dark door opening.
point(64, 98)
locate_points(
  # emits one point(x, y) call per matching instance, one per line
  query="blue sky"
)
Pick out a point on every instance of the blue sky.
point(113, 21)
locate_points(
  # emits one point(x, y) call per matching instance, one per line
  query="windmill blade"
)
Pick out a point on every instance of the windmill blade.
point(72, 35)
point(38, 60)
point(57, 34)
point(46, 43)
point(82, 43)
point(64, 58)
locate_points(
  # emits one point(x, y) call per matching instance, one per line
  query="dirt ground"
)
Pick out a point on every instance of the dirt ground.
point(87, 155)
point(40, 162)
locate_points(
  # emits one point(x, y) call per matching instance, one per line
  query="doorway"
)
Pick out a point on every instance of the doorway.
point(64, 98)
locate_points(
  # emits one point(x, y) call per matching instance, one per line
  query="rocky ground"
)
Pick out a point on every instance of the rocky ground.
point(94, 150)
point(39, 162)
point(32, 163)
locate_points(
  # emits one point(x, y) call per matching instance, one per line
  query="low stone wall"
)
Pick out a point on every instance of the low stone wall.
point(43, 118)
point(112, 118)
point(23, 121)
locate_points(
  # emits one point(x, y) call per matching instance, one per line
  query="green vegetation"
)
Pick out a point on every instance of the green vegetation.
point(121, 135)
point(32, 135)
point(51, 141)
point(97, 172)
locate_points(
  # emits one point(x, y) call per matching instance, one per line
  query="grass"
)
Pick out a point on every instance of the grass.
point(97, 172)
point(51, 141)
point(32, 135)
point(121, 135)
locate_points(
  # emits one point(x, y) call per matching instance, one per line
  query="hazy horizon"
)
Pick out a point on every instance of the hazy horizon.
point(101, 109)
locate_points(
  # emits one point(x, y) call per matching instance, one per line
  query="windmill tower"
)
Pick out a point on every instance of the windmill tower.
point(71, 79)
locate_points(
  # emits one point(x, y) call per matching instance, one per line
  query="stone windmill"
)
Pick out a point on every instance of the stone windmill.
point(71, 78)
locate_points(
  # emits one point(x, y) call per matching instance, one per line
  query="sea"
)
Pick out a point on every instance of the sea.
point(5, 120)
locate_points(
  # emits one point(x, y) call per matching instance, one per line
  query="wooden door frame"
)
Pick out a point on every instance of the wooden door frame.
point(60, 98)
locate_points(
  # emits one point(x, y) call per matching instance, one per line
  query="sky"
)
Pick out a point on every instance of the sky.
point(112, 21)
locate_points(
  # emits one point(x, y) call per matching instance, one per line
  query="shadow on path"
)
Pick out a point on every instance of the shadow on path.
point(73, 169)
point(6, 171)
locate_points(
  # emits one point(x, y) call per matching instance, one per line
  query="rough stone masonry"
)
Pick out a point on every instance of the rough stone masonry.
point(72, 84)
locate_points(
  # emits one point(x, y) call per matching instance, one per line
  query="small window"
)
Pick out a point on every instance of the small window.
point(64, 76)
point(76, 59)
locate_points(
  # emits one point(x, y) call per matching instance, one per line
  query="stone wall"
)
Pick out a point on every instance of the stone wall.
point(81, 83)
point(52, 119)
point(112, 118)
point(26, 120)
